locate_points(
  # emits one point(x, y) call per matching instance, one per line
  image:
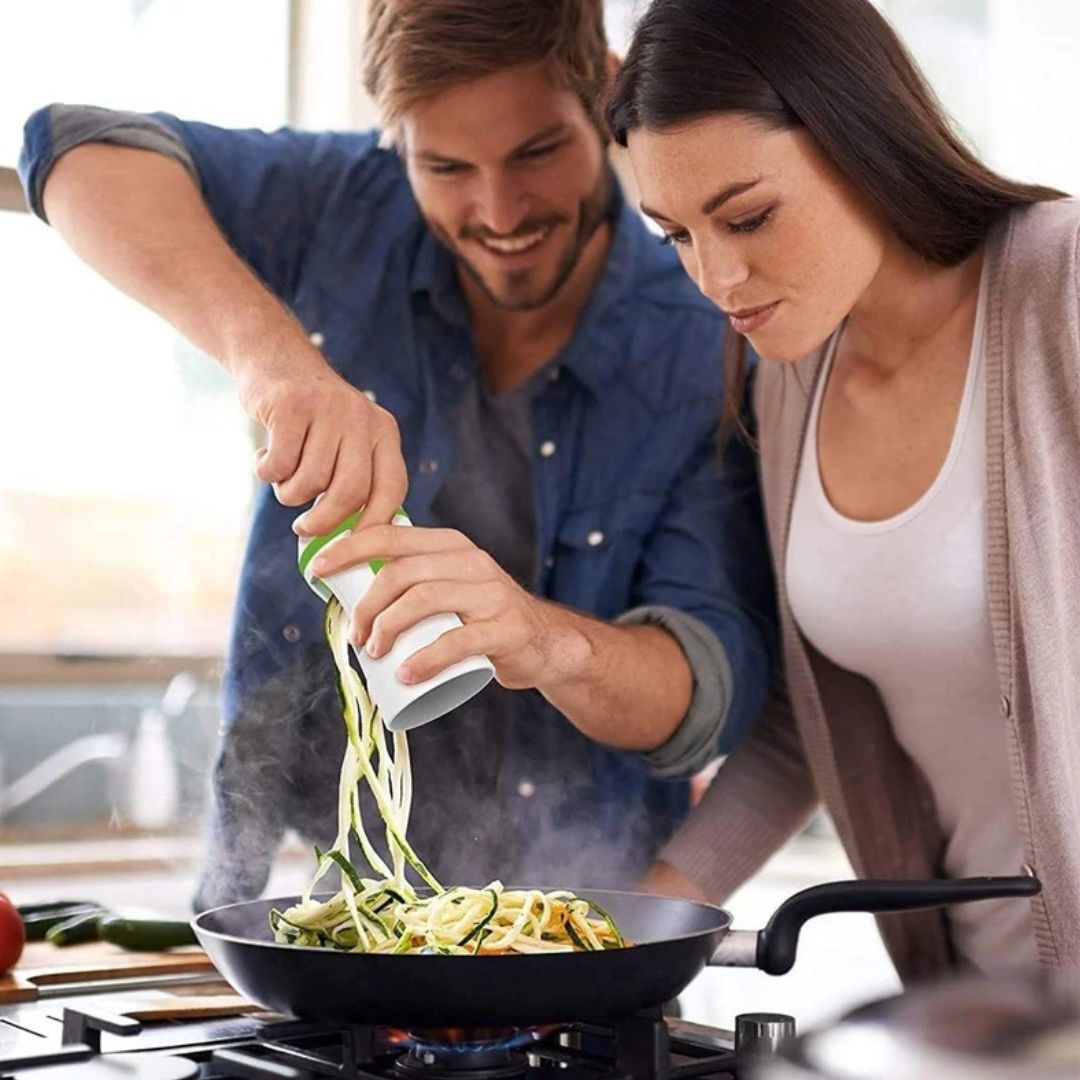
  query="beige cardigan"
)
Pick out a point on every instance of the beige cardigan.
point(830, 737)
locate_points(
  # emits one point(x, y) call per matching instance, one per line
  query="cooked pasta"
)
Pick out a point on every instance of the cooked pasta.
point(386, 913)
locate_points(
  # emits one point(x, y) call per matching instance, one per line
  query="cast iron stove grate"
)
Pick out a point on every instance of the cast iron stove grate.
point(641, 1047)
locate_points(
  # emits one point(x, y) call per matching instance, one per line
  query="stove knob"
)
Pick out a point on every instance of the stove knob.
point(760, 1034)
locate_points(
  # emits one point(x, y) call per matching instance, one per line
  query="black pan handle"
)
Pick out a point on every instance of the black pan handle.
point(778, 942)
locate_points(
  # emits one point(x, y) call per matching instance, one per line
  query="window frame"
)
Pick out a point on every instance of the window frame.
point(55, 669)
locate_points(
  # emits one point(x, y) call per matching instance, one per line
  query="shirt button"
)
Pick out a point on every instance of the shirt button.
point(549, 562)
point(429, 466)
point(1006, 707)
point(291, 633)
point(554, 373)
point(370, 395)
point(459, 372)
point(595, 538)
point(526, 789)
point(547, 448)
point(316, 339)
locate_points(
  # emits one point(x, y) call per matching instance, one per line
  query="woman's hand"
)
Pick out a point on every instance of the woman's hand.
point(662, 879)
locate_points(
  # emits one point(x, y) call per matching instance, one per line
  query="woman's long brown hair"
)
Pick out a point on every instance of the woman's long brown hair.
point(839, 70)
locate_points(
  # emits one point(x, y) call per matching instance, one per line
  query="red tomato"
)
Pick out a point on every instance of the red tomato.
point(12, 934)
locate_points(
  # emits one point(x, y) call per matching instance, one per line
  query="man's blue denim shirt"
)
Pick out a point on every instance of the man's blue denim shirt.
point(630, 511)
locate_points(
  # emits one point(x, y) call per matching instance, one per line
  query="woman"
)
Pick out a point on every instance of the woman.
point(918, 416)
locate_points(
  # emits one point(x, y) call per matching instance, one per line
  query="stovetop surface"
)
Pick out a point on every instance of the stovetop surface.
point(79, 1039)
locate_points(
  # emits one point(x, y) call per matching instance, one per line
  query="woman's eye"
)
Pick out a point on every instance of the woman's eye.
point(751, 225)
point(675, 238)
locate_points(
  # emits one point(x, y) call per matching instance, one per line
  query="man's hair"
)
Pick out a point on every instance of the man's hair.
point(415, 49)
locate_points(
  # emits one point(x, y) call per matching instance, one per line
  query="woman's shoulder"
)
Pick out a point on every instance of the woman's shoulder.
point(1035, 269)
point(1042, 239)
point(1052, 218)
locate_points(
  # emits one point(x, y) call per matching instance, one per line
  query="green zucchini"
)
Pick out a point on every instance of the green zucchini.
point(53, 906)
point(76, 930)
point(619, 942)
point(145, 934)
point(348, 869)
point(484, 921)
point(39, 924)
point(575, 937)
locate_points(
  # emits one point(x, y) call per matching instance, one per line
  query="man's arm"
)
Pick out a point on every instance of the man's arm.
point(138, 217)
point(628, 687)
point(680, 691)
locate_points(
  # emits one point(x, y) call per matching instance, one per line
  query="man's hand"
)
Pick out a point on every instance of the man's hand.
point(429, 571)
point(325, 439)
point(626, 686)
point(662, 879)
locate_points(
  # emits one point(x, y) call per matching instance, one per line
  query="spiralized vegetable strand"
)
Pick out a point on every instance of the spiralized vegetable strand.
point(385, 913)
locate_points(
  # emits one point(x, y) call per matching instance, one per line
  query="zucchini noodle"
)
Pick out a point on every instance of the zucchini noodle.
point(386, 913)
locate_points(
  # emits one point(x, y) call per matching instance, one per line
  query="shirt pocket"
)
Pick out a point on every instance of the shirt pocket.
point(598, 550)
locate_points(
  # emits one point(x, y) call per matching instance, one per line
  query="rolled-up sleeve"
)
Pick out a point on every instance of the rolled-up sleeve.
point(696, 741)
point(265, 190)
point(53, 131)
point(706, 577)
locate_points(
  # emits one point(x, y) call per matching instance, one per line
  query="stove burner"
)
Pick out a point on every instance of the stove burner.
point(464, 1053)
point(458, 1063)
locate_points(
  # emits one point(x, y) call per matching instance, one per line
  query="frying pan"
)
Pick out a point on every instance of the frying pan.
point(673, 941)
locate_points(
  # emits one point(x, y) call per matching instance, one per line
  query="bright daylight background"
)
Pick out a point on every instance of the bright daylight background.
point(124, 459)
point(124, 479)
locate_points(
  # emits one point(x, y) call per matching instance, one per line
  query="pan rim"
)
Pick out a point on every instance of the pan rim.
point(277, 901)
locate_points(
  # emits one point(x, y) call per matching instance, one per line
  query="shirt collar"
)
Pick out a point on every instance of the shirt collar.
point(597, 350)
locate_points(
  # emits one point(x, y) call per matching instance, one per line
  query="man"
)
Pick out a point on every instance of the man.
point(497, 328)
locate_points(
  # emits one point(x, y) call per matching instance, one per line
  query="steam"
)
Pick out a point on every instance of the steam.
point(473, 819)
point(550, 824)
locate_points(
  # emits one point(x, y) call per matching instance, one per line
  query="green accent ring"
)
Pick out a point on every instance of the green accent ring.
point(319, 542)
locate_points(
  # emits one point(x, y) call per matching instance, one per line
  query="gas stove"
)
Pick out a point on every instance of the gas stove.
point(82, 1040)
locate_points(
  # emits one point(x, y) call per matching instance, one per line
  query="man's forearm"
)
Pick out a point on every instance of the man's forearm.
point(138, 218)
point(627, 686)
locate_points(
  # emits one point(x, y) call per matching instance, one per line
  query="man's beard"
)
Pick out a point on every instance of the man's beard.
point(515, 295)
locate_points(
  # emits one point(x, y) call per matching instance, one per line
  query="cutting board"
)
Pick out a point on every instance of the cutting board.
point(43, 964)
point(210, 1007)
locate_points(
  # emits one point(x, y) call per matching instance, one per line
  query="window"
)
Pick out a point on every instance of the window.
point(1007, 74)
point(223, 63)
point(125, 480)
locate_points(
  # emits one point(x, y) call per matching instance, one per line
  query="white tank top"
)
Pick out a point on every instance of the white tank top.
point(904, 603)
